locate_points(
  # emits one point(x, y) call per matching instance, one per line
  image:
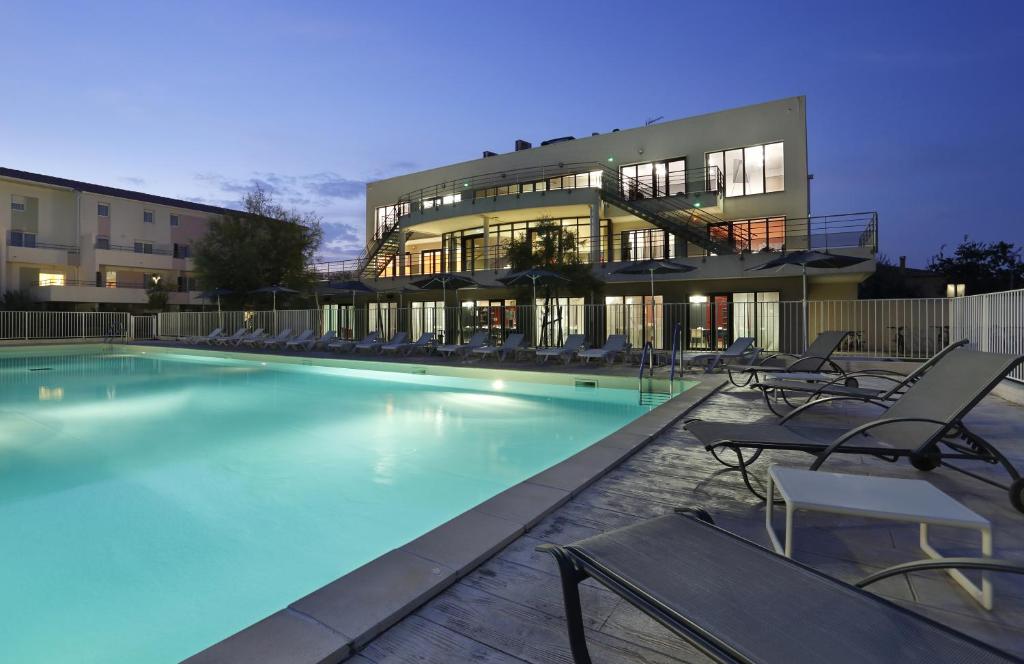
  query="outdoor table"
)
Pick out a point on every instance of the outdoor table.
point(913, 501)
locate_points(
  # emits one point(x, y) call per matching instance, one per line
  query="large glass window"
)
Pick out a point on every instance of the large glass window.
point(752, 234)
point(427, 317)
point(430, 261)
point(639, 317)
point(754, 170)
point(386, 216)
point(756, 315)
point(557, 318)
point(51, 279)
point(654, 179)
point(646, 244)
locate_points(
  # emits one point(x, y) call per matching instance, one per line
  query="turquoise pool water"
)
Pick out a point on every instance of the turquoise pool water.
point(151, 505)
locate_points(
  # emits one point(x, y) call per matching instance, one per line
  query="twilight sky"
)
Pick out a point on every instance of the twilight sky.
point(915, 109)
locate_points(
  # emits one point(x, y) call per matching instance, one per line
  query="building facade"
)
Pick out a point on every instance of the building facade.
point(722, 193)
point(79, 246)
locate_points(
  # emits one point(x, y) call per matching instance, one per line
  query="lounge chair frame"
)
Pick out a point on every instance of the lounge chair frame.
point(819, 362)
point(575, 566)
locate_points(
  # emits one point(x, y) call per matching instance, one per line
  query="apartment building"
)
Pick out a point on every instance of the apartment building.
point(80, 246)
point(722, 192)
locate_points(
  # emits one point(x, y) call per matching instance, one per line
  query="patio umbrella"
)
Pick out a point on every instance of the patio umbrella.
point(534, 276)
point(274, 290)
point(445, 280)
point(215, 294)
point(654, 267)
point(352, 285)
point(805, 259)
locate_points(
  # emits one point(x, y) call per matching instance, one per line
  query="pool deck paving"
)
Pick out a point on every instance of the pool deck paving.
point(509, 609)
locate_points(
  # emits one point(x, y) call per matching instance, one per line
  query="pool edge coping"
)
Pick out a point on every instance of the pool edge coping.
point(337, 620)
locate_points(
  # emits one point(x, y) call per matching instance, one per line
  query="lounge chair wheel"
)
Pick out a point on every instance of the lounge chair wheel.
point(924, 462)
point(851, 382)
point(1017, 494)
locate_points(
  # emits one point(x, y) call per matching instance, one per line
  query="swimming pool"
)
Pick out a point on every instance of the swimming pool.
point(153, 504)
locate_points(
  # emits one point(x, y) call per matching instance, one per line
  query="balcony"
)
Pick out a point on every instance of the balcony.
point(141, 255)
point(25, 247)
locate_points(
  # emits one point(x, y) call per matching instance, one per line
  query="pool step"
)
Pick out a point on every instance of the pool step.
point(654, 398)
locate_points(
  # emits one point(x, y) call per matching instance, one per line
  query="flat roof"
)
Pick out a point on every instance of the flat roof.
point(78, 185)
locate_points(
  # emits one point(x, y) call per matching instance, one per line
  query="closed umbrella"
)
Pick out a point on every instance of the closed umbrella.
point(215, 294)
point(534, 276)
point(805, 259)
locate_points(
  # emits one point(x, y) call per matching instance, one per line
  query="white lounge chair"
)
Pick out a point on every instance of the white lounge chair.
point(200, 339)
point(254, 335)
point(377, 345)
point(512, 344)
point(565, 352)
point(346, 345)
point(305, 338)
point(282, 338)
point(257, 337)
point(476, 341)
point(240, 333)
point(425, 341)
point(326, 339)
point(614, 345)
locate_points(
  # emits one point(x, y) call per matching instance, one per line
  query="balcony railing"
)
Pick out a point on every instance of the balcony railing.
point(831, 232)
point(31, 241)
point(102, 243)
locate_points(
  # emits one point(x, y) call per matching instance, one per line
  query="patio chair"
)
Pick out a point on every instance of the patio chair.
point(204, 339)
point(240, 333)
point(566, 352)
point(847, 387)
point(741, 349)
point(271, 342)
point(346, 345)
point(302, 341)
point(425, 341)
point(613, 345)
point(811, 363)
point(251, 338)
point(397, 341)
point(513, 343)
point(925, 425)
point(476, 341)
point(737, 602)
point(327, 338)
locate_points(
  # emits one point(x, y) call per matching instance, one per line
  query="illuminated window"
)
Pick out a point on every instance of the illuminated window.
point(754, 170)
point(654, 179)
point(51, 279)
point(386, 217)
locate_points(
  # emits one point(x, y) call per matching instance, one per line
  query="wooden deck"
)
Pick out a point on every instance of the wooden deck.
point(509, 609)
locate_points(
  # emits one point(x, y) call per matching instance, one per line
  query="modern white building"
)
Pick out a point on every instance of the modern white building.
point(76, 245)
point(722, 192)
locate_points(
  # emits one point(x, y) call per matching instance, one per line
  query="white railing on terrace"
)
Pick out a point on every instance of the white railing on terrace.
point(994, 322)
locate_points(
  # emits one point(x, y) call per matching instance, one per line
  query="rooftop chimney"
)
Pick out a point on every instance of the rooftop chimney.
point(903, 263)
point(522, 145)
point(488, 153)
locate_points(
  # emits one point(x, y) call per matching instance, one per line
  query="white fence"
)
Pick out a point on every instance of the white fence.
point(994, 322)
point(41, 325)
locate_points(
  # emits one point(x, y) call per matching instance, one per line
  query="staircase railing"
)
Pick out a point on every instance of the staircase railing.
point(646, 354)
point(677, 338)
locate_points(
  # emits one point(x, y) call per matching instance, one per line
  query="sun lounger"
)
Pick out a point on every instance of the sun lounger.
point(513, 343)
point(925, 425)
point(815, 360)
point(204, 339)
point(425, 341)
point(846, 386)
point(346, 345)
point(325, 340)
point(278, 340)
point(397, 340)
point(476, 341)
point(251, 338)
point(737, 351)
point(614, 345)
point(240, 333)
point(565, 352)
point(304, 340)
point(737, 602)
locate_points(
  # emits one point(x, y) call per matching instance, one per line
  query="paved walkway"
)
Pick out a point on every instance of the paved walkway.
point(510, 610)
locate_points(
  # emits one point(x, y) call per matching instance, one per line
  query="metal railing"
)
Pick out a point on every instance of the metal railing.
point(830, 232)
point(40, 325)
point(994, 322)
point(31, 241)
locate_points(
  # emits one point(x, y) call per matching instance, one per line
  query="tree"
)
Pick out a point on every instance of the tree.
point(18, 300)
point(555, 249)
point(158, 293)
point(981, 267)
point(266, 244)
